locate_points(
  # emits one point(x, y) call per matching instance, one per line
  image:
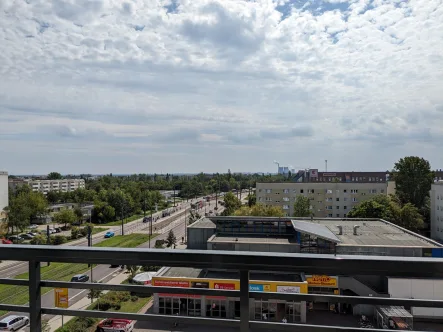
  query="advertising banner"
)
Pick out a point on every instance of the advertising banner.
point(225, 286)
point(171, 283)
point(313, 173)
point(199, 284)
point(288, 289)
point(61, 298)
point(259, 288)
point(321, 280)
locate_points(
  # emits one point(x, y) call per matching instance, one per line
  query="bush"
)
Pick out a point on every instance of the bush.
point(59, 239)
point(75, 233)
point(84, 231)
point(149, 268)
point(39, 239)
point(159, 243)
point(134, 298)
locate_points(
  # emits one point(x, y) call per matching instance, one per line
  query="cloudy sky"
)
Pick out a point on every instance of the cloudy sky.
point(120, 86)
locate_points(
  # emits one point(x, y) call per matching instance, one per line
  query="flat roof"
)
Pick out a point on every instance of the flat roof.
point(373, 232)
point(188, 272)
point(315, 229)
point(252, 239)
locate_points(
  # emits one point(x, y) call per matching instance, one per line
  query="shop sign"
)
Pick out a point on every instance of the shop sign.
point(171, 283)
point(329, 174)
point(259, 288)
point(198, 284)
point(321, 280)
point(224, 286)
point(288, 289)
point(61, 298)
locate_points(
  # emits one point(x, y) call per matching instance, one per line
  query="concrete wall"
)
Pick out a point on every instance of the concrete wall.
point(4, 190)
point(260, 247)
point(429, 289)
point(198, 237)
point(380, 251)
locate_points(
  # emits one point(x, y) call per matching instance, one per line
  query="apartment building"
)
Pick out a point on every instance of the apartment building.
point(45, 186)
point(436, 195)
point(3, 193)
point(328, 200)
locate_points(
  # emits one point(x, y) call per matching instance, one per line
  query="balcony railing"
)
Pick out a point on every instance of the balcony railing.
point(240, 261)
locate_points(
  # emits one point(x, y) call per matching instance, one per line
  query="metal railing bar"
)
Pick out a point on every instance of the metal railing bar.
point(308, 263)
point(14, 307)
point(15, 282)
point(142, 317)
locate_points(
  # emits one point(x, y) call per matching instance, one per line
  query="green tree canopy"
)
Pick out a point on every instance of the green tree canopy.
point(302, 207)
point(232, 203)
point(252, 199)
point(413, 178)
point(171, 240)
point(54, 176)
point(260, 210)
point(66, 216)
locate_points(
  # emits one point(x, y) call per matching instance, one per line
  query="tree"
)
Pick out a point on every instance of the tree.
point(66, 217)
point(413, 179)
point(232, 203)
point(410, 218)
point(132, 270)
point(94, 293)
point(252, 200)
point(171, 240)
point(193, 216)
point(369, 209)
point(54, 176)
point(302, 207)
point(260, 210)
point(78, 214)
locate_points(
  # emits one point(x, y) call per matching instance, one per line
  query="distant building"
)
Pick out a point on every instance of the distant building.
point(45, 186)
point(328, 200)
point(437, 211)
point(3, 193)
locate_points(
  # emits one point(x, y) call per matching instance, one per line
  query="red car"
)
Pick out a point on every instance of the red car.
point(115, 325)
point(6, 241)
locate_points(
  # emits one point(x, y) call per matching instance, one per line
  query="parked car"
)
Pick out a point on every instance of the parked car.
point(13, 323)
point(26, 236)
point(15, 238)
point(80, 278)
point(109, 234)
point(32, 233)
point(33, 226)
point(52, 231)
point(5, 241)
point(58, 230)
point(112, 324)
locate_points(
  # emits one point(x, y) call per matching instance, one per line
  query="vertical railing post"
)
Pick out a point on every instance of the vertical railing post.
point(35, 304)
point(244, 301)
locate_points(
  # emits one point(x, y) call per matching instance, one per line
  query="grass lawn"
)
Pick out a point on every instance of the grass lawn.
point(96, 230)
point(63, 271)
point(118, 222)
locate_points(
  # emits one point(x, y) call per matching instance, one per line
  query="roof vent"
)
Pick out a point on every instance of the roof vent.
point(340, 230)
point(355, 229)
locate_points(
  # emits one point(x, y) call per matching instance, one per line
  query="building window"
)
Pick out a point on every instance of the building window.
point(268, 199)
point(345, 191)
point(268, 191)
point(277, 201)
point(337, 207)
point(345, 199)
point(345, 207)
point(344, 216)
point(259, 190)
point(301, 191)
point(286, 199)
point(338, 215)
point(373, 191)
point(329, 207)
point(286, 191)
point(354, 191)
point(310, 191)
point(294, 191)
point(363, 194)
point(382, 191)
point(285, 207)
point(337, 199)
point(330, 215)
point(354, 199)
point(319, 202)
point(260, 199)
point(329, 199)
point(329, 191)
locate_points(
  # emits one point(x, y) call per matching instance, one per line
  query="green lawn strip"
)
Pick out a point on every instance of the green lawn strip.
point(19, 295)
point(97, 230)
point(119, 222)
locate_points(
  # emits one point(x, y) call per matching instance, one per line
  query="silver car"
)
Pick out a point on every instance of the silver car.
point(13, 323)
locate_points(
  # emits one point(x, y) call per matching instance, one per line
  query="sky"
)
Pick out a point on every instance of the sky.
point(182, 86)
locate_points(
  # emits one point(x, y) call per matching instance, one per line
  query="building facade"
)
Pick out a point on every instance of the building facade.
point(4, 192)
point(436, 195)
point(328, 200)
point(45, 186)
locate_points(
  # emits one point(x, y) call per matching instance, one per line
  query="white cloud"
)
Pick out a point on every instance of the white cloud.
point(266, 79)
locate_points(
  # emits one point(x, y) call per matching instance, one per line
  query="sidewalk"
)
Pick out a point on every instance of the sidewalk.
point(56, 321)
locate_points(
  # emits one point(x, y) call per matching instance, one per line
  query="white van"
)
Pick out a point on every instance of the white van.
point(13, 323)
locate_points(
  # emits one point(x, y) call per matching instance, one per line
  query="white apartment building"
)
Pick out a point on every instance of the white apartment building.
point(436, 195)
point(328, 200)
point(4, 191)
point(45, 186)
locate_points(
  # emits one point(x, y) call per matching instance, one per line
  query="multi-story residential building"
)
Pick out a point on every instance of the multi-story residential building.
point(3, 193)
point(328, 200)
point(45, 186)
point(436, 195)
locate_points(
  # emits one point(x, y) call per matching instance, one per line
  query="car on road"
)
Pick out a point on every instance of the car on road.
point(13, 323)
point(109, 234)
point(58, 230)
point(5, 241)
point(33, 226)
point(32, 233)
point(26, 236)
point(80, 278)
point(15, 238)
point(112, 324)
point(52, 231)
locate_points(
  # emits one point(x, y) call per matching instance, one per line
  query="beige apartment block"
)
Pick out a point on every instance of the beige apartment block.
point(328, 200)
point(45, 186)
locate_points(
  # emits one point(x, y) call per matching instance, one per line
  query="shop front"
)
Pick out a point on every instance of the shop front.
point(322, 284)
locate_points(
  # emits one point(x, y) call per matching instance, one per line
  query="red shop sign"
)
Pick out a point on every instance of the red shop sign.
point(224, 286)
point(171, 283)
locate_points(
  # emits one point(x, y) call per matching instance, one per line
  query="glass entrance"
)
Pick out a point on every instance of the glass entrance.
point(216, 308)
